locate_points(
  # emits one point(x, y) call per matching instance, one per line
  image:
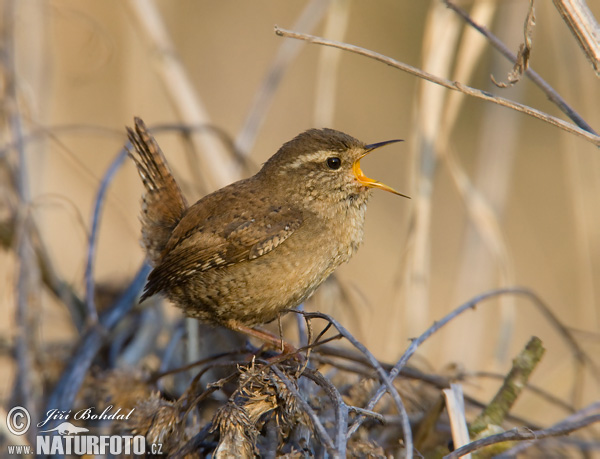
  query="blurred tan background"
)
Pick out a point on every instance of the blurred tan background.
point(85, 68)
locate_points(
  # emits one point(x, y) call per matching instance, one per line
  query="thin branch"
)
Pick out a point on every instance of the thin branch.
point(340, 365)
point(66, 389)
point(93, 237)
point(324, 436)
point(584, 412)
point(548, 90)
point(341, 409)
point(440, 382)
point(514, 383)
point(229, 354)
point(579, 354)
point(454, 85)
point(386, 382)
point(53, 282)
point(523, 434)
point(417, 342)
point(370, 414)
point(547, 396)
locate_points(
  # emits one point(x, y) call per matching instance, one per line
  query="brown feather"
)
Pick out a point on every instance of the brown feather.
point(163, 204)
point(216, 243)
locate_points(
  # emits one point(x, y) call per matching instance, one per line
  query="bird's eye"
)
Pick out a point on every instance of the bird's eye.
point(334, 162)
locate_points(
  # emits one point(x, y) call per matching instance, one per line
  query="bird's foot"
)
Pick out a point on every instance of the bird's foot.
point(270, 340)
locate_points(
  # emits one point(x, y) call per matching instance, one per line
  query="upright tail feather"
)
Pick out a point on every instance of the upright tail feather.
point(163, 203)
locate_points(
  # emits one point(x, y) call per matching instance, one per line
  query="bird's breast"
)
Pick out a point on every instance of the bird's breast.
point(340, 233)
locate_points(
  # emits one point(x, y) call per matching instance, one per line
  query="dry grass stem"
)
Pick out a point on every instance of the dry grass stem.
point(584, 28)
point(217, 169)
point(28, 280)
point(456, 412)
point(485, 194)
point(442, 31)
point(311, 15)
point(328, 76)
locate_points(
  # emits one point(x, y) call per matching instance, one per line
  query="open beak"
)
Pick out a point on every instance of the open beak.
point(366, 181)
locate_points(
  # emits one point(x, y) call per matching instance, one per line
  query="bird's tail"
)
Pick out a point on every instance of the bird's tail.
point(163, 203)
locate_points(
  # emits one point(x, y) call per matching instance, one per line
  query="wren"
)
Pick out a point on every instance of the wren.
point(242, 255)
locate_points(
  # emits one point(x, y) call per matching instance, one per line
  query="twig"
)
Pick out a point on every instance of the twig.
point(437, 381)
point(417, 342)
point(368, 413)
point(341, 409)
point(92, 314)
point(350, 368)
point(579, 353)
point(66, 389)
point(161, 374)
point(50, 277)
point(523, 434)
point(552, 95)
point(323, 435)
point(513, 385)
point(210, 388)
point(454, 85)
point(320, 342)
point(550, 398)
point(573, 418)
point(386, 382)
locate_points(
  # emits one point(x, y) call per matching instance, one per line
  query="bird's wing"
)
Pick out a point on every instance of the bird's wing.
point(247, 236)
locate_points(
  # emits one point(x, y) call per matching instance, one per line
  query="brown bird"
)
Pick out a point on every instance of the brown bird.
point(242, 255)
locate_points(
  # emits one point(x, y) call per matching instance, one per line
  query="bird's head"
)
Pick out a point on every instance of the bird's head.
point(324, 164)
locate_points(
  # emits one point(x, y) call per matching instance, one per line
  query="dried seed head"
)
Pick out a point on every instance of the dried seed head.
point(124, 388)
point(159, 421)
point(237, 432)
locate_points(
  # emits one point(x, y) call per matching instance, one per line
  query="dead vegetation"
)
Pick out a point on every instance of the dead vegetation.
point(329, 399)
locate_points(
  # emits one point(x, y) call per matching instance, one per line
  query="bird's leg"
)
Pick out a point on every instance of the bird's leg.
point(268, 338)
